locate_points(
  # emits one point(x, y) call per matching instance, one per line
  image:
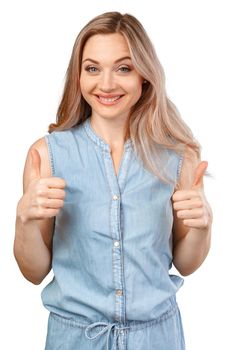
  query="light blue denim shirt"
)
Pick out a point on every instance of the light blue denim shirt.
point(112, 243)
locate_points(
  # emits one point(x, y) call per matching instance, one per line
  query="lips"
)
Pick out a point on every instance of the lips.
point(109, 96)
point(109, 99)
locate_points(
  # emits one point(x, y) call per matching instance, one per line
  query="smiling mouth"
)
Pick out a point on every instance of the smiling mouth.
point(109, 100)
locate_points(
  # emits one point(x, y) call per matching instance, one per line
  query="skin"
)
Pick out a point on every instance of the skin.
point(43, 195)
point(108, 77)
point(192, 217)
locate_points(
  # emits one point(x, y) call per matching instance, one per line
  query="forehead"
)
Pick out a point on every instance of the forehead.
point(102, 46)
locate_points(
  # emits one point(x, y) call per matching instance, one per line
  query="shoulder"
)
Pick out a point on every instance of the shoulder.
point(42, 148)
point(190, 161)
point(45, 169)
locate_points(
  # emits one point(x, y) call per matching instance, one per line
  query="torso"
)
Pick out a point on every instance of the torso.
point(116, 158)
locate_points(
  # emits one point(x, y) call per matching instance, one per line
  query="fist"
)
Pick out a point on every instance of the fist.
point(191, 205)
point(44, 196)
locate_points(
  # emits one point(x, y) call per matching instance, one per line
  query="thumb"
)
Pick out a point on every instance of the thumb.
point(36, 164)
point(199, 173)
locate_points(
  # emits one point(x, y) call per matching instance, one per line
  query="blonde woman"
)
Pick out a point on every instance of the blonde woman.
point(113, 196)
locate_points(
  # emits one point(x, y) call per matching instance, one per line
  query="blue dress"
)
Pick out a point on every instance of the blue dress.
point(112, 250)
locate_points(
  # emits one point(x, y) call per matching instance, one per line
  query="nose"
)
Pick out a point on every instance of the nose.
point(107, 82)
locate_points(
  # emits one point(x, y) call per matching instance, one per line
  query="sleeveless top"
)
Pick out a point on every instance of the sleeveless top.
point(112, 242)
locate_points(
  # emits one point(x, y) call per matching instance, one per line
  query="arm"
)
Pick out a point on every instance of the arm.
point(32, 254)
point(35, 216)
point(192, 217)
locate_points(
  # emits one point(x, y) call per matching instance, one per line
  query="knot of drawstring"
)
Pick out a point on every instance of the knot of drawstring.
point(107, 327)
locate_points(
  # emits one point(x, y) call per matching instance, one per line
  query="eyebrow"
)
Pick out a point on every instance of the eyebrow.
point(119, 59)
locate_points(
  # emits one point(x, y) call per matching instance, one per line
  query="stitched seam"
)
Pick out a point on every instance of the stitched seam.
point(66, 321)
point(179, 166)
point(50, 153)
point(145, 324)
point(156, 321)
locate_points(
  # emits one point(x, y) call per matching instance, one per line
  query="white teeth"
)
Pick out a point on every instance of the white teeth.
point(109, 99)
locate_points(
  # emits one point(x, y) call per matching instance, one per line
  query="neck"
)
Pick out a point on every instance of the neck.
point(114, 131)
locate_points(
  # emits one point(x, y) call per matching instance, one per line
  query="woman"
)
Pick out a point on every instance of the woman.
point(113, 195)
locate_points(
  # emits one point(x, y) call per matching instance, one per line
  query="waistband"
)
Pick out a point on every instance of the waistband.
point(100, 328)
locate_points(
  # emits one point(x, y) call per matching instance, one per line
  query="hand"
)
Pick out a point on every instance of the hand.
point(191, 205)
point(43, 197)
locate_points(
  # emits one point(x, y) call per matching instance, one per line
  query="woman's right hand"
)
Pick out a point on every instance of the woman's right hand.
point(43, 196)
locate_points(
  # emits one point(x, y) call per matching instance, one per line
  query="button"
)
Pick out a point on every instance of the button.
point(115, 197)
point(119, 292)
point(116, 243)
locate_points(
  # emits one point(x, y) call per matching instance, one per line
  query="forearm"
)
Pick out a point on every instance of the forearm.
point(190, 252)
point(31, 253)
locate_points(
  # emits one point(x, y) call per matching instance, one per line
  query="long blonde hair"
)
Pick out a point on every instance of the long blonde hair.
point(155, 123)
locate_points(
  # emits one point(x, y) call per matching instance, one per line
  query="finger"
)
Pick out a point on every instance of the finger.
point(56, 193)
point(190, 214)
point(53, 203)
point(182, 195)
point(199, 173)
point(52, 193)
point(53, 182)
point(36, 164)
point(196, 223)
point(189, 204)
point(46, 213)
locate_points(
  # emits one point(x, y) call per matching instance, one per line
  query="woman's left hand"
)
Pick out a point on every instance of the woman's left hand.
point(191, 205)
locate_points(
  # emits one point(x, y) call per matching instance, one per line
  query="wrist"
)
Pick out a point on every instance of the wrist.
point(20, 213)
point(199, 234)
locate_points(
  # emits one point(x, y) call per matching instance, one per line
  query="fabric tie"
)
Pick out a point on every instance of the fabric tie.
point(107, 327)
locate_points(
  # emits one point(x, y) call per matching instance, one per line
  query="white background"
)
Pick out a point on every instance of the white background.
point(36, 39)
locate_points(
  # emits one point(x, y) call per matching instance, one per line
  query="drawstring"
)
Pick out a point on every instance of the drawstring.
point(107, 328)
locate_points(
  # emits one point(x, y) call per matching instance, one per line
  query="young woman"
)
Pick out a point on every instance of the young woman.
point(113, 196)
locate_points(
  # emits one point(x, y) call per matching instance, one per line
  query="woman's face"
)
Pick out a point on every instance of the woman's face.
point(109, 82)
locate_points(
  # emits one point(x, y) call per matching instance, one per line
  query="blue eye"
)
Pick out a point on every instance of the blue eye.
point(125, 69)
point(88, 69)
point(93, 69)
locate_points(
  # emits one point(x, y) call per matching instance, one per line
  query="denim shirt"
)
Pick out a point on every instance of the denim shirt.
point(112, 243)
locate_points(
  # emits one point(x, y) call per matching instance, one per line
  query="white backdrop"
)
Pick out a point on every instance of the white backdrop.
point(36, 40)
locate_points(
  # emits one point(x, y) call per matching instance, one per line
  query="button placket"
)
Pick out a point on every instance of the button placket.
point(115, 217)
point(116, 186)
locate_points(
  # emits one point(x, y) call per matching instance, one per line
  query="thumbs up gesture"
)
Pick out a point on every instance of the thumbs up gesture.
point(191, 205)
point(43, 196)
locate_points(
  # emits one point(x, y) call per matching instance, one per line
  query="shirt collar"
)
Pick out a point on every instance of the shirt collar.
point(98, 139)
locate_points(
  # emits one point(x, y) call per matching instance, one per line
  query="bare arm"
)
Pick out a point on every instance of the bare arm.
point(33, 256)
point(35, 215)
point(192, 219)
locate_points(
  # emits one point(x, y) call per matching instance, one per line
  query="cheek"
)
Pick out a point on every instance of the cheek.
point(84, 90)
point(86, 84)
point(135, 90)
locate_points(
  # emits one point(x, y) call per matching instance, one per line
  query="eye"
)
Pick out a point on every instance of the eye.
point(125, 69)
point(91, 69)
